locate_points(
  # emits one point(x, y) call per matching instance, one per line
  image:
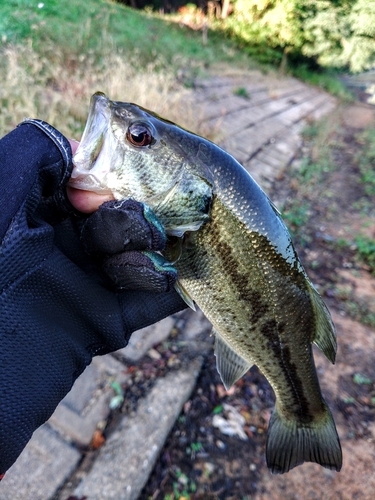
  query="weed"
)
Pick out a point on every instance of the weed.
point(360, 379)
point(183, 488)
point(311, 131)
point(297, 213)
point(321, 139)
point(325, 79)
point(366, 161)
point(360, 311)
point(31, 85)
point(242, 92)
point(193, 449)
point(366, 250)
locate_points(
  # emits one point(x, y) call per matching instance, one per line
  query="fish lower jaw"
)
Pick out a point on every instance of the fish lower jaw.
point(88, 182)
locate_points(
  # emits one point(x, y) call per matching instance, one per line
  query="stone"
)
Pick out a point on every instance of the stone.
point(128, 456)
point(142, 340)
point(87, 404)
point(46, 462)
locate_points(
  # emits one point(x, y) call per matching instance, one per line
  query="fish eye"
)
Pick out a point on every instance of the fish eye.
point(139, 135)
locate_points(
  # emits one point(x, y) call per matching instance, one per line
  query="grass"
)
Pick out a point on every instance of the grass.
point(54, 55)
point(364, 248)
point(33, 85)
point(314, 165)
point(366, 161)
point(242, 92)
point(80, 26)
point(366, 251)
point(325, 79)
point(329, 150)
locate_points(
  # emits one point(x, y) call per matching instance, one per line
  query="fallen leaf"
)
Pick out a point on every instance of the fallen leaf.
point(97, 440)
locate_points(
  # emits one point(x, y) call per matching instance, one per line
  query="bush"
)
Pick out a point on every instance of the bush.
point(334, 33)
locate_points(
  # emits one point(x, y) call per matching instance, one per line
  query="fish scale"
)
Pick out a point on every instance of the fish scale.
point(235, 260)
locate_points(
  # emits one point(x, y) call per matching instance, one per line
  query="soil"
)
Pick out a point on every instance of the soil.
point(201, 460)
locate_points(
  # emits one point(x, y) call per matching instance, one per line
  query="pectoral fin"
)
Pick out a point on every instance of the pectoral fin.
point(184, 295)
point(180, 230)
point(229, 364)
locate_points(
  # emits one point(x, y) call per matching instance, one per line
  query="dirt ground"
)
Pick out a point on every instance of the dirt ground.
point(201, 460)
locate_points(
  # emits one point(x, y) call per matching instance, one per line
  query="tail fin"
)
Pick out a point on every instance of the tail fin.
point(291, 443)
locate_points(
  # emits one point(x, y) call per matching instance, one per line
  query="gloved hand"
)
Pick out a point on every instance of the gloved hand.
point(125, 227)
point(58, 306)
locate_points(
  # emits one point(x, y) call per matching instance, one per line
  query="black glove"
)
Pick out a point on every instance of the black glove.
point(125, 227)
point(58, 308)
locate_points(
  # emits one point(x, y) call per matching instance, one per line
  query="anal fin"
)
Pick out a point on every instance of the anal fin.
point(229, 364)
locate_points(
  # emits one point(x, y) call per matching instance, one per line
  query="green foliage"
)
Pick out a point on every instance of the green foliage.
point(360, 379)
point(242, 92)
point(360, 311)
point(183, 488)
point(366, 250)
point(297, 214)
point(326, 79)
point(333, 33)
point(54, 55)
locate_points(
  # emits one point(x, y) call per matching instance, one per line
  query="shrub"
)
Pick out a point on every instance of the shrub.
point(334, 33)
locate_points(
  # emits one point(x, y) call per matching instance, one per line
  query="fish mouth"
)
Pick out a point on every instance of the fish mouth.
point(88, 182)
point(84, 175)
point(99, 109)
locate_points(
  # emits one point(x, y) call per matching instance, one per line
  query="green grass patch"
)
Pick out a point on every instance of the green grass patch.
point(366, 251)
point(96, 25)
point(242, 92)
point(360, 311)
point(328, 80)
point(54, 55)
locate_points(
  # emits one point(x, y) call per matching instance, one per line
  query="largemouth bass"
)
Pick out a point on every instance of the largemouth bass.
point(235, 260)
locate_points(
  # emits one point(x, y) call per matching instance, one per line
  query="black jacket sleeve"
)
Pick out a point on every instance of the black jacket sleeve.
point(56, 309)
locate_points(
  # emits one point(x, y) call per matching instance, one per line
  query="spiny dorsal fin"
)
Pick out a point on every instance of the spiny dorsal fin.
point(229, 364)
point(325, 337)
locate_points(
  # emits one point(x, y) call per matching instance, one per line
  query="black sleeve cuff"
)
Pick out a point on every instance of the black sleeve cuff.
point(33, 147)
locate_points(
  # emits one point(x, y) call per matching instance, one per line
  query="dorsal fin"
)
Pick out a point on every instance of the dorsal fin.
point(325, 336)
point(229, 364)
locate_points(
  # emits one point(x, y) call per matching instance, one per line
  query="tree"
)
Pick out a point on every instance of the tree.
point(336, 33)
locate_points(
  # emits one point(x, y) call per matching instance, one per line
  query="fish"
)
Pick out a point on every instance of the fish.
point(235, 260)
